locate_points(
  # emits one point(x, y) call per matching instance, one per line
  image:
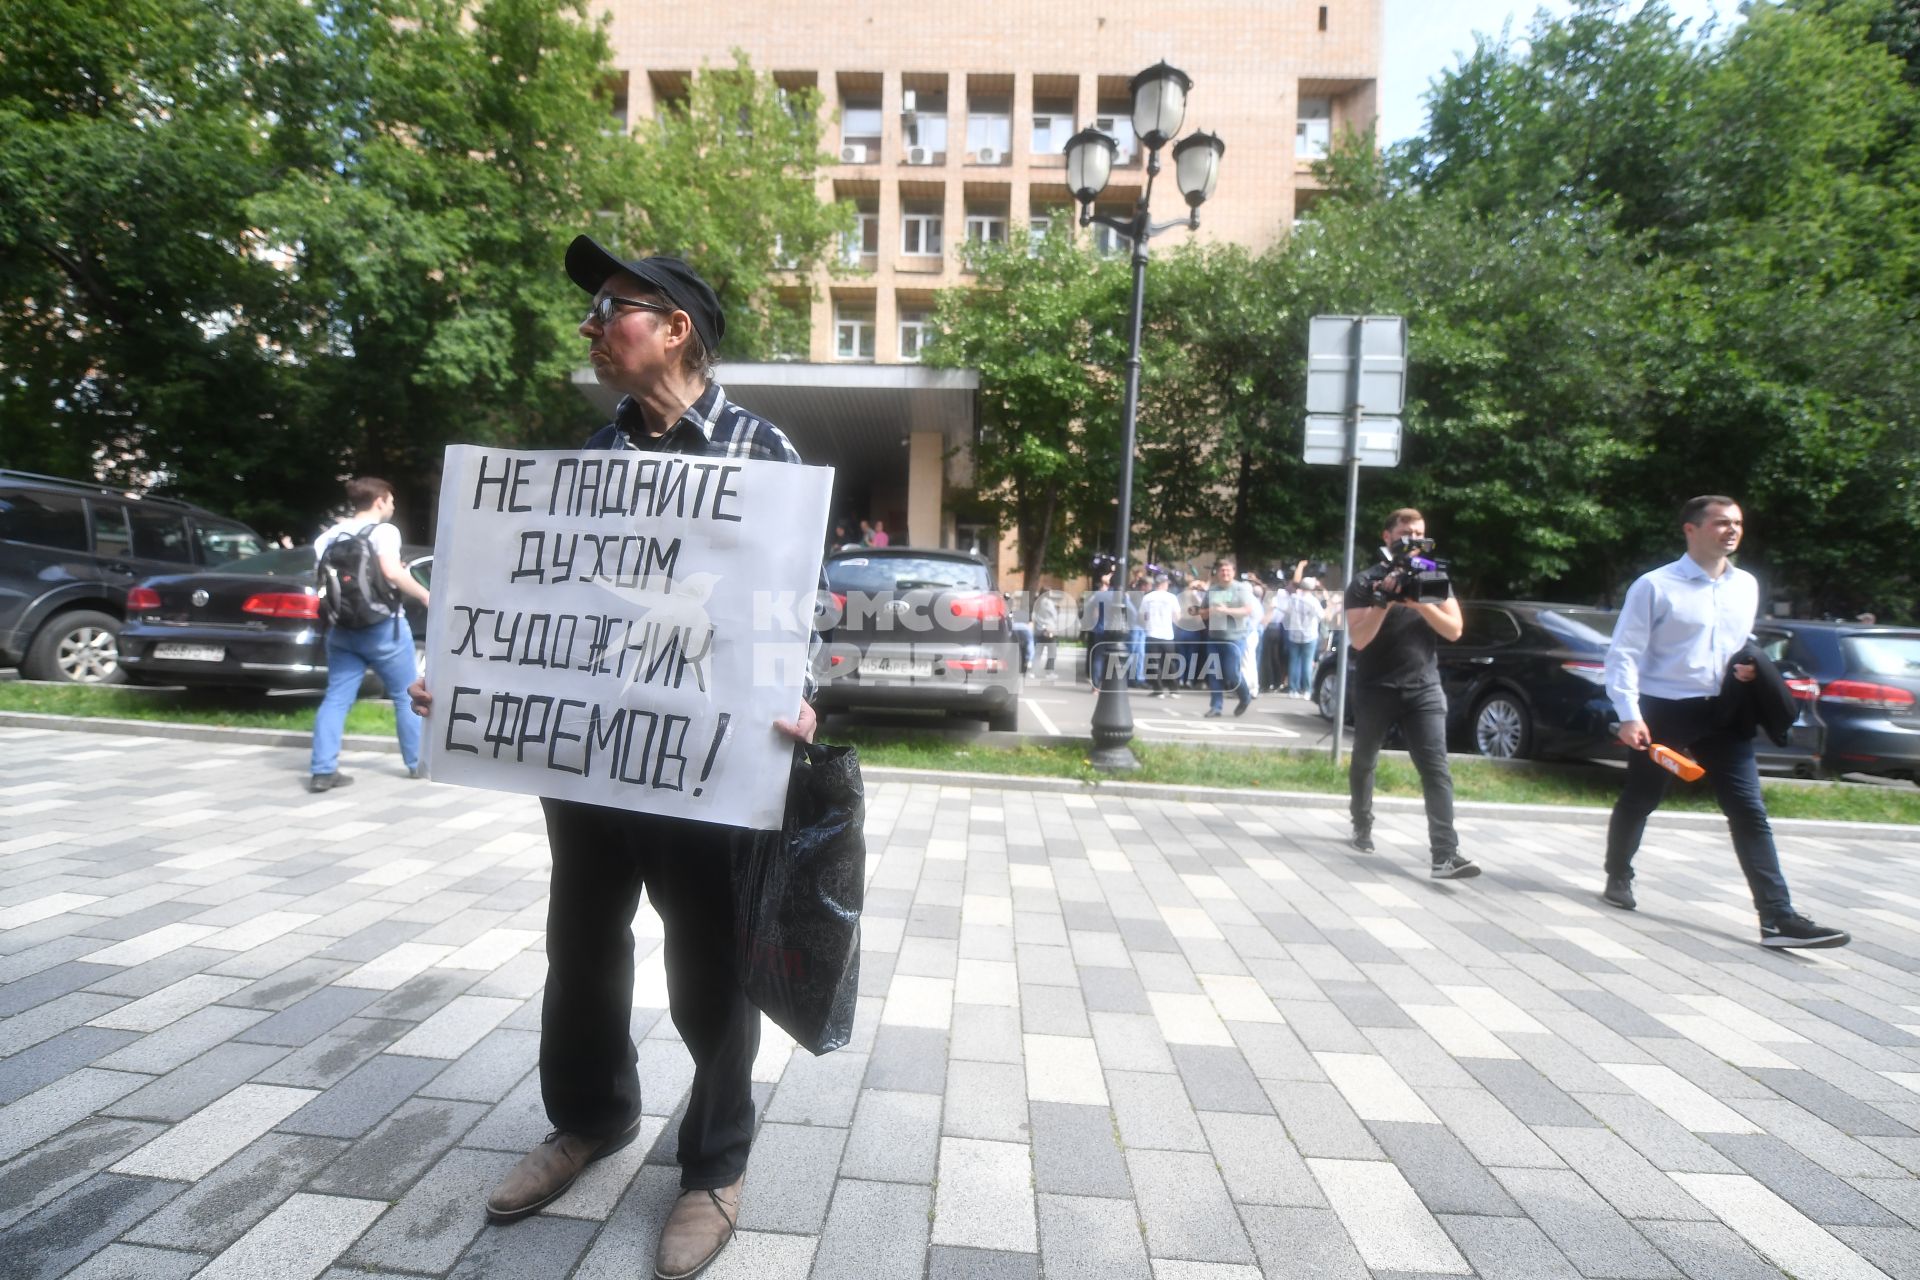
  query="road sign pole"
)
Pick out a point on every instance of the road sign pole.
point(1354, 412)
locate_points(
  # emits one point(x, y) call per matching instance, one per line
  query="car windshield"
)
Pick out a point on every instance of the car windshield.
point(873, 574)
point(1883, 655)
point(1589, 627)
point(291, 562)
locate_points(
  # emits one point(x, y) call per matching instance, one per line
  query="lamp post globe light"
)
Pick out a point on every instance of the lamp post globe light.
point(1159, 109)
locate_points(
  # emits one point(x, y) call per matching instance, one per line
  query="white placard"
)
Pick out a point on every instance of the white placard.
point(622, 628)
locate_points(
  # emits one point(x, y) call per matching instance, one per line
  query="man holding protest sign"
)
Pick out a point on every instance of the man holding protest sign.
point(652, 328)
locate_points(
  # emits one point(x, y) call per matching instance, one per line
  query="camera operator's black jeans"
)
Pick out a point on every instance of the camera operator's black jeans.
point(602, 859)
point(1692, 727)
point(1421, 713)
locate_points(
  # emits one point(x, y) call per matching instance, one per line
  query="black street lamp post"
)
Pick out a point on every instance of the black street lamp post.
point(1159, 109)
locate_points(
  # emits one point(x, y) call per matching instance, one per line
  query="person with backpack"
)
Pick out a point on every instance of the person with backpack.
point(362, 585)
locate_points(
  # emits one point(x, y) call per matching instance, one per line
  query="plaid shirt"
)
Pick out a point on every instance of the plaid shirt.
point(717, 427)
point(711, 425)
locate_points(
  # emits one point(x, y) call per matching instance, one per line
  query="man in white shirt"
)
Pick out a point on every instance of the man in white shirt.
point(1301, 620)
point(387, 648)
point(1679, 631)
point(1158, 608)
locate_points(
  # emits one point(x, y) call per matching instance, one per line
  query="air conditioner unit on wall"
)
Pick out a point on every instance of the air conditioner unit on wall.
point(854, 153)
point(919, 155)
point(987, 155)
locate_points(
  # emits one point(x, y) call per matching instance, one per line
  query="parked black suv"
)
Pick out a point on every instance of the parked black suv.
point(69, 549)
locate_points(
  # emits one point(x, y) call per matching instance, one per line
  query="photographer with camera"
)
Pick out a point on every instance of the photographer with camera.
point(1396, 611)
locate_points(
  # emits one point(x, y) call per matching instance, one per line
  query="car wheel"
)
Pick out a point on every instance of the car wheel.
point(1325, 695)
point(81, 647)
point(1007, 721)
point(1502, 729)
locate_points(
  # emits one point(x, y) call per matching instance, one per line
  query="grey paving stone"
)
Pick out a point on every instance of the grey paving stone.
point(44, 1021)
point(1153, 1112)
point(790, 1178)
point(1709, 1251)
point(987, 1033)
point(1800, 1182)
point(62, 1235)
point(431, 1226)
point(875, 1231)
point(895, 1137)
point(908, 1059)
point(1273, 1052)
point(1320, 1122)
point(420, 997)
point(1218, 1079)
point(1585, 1228)
point(66, 1160)
point(310, 1016)
point(946, 1262)
point(1862, 1024)
point(1258, 1161)
point(131, 1262)
point(540, 1245)
point(1834, 1105)
point(1053, 1011)
point(1185, 1206)
point(1302, 1244)
point(21, 994)
point(52, 1058)
point(363, 1097)
point(986, 1100)
point(1442, 1172)
point(1365, 1005)
point(1508, 1249)
point(1655, 1134)
point(327, 1059)
point(186, 1089)
point(818, 1090)
point(288, 985)
point(1528, 1094)
point(1075, 1151)
point(400, 1148)
point(624, 1248)
point(1895, 1250)
point(224, 1205)
point(1084, 1238)
point(1630, 1183)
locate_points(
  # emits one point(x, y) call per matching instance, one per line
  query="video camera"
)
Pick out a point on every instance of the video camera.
point(1412, 574)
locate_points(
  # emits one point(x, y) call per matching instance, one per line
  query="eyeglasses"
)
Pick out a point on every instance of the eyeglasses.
point(602, 311)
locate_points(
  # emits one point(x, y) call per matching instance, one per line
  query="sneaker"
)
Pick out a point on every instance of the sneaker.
point(1211, 713)
point(317, 782)
point(1798, 931)
point(1619, 893)
point(414, 771)
point(1362, 841)
point(1455, 868)
point(1242, 708)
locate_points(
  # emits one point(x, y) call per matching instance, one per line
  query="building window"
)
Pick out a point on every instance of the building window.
point(1118, 125)
point(920, 234)
point(989, 133)
point(986, 228)
point(1107, 242)
point(916, 328)
point(1039, 226)
point(1052, 126)
point(1313, 129)
point(860, 247)
point(852, 331)
point(923, 119)
point(860, 132)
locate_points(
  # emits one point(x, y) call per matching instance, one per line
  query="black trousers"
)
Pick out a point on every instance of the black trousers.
point(1692, 727)
point(1163, 666)
point(602, 860)
point(1421, 714)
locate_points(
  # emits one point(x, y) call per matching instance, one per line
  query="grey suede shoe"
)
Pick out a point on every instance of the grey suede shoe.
point(700, 1226)
point(545, 1172)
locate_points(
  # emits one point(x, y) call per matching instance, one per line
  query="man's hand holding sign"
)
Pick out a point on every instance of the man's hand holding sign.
point(625, 633)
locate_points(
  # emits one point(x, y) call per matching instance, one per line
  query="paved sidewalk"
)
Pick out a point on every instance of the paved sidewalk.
point(262, 1033)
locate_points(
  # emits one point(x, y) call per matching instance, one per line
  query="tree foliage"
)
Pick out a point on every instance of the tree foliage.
point(249, 248)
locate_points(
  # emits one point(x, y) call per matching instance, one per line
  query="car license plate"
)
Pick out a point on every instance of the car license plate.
point(902, 668)
point(190, 652)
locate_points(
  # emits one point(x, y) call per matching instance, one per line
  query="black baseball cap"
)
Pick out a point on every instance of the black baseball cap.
point(589, 263)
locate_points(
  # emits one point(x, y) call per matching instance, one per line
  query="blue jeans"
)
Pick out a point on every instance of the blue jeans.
point(388, 649)
point(1225, 661)
point(1300, 664)
point(1137, 656)
point(1691, 726)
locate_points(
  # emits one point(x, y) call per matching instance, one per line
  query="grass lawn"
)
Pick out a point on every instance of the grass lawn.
point(1176, 764)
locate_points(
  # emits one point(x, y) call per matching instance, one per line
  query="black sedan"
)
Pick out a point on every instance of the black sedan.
point(1868, 679)
point(1527, 680)
point(253, 623)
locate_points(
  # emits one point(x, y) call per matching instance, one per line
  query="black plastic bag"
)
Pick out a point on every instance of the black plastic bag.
point(796, 901)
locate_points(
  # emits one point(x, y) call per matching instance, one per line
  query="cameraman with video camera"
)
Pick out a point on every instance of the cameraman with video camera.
point(1396, 611)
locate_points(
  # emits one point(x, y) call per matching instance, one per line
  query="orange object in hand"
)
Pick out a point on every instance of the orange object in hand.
point(1681, 767)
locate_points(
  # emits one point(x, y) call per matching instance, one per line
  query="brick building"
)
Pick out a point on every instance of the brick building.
point(949, 124)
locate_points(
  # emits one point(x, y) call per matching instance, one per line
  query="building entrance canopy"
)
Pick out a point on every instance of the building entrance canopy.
point(886, 430)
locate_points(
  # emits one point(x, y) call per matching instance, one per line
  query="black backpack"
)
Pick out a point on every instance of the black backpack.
point(354, 593)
